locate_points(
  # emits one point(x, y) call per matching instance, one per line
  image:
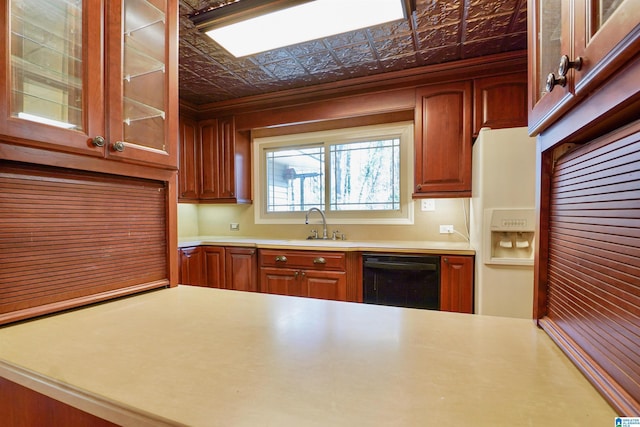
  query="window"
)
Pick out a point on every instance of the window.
point(356, 175)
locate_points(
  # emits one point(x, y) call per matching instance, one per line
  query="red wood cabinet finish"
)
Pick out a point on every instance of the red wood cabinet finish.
point(443, 140)
point(189, 164)
point(214, 266)
point(215, 161)
point(281, 281)
point(21, 406)
point(330, 285)
point(241, 269)
point(500, 102)
point(219, 267)
point(304, 273)
point(456, 283)
point(603, 45)
point(191, 266)
point(587, 146)
point(218, 159)
point(104, 76)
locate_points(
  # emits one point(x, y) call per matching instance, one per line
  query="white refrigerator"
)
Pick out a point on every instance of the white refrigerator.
point(502, 221)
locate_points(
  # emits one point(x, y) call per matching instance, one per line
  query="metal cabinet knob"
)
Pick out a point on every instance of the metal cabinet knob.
point(552, 81)
point(563, 68)
point(118, 146)
point(98, 141)
point(281, 258)
point(566, 64)
point(319, 260)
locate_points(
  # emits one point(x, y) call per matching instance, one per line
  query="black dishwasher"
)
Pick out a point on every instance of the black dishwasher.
point(402, 280)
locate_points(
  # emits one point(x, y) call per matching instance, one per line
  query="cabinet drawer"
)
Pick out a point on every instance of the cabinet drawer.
point(303, 259)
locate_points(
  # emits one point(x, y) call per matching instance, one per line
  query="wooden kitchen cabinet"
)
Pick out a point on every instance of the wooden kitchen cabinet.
point(241, 269)
point(219, 267)
point(456, 283)
point(442, 144)
point(500, 102)
point(221, 159)
point(61, 93)
point(212, 153)
point(602, 34)
point(189, 163)
point(214, 266)
point(304, 273)
point(191, 266)
point(218, 153)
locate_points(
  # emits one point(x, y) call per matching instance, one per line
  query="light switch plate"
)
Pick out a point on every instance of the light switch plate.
point(234, 226)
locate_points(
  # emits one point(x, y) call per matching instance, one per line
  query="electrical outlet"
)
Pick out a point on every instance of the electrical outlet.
point(234, 226)
point(446, 229)
point(428, 204)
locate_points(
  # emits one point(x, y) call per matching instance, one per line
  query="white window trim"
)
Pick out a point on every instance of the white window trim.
point(402, 217)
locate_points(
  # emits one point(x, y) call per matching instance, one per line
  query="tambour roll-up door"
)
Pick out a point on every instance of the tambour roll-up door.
point(593, 300)
point(69, 237)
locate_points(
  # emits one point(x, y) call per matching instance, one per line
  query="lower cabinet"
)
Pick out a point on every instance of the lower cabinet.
point(214, 266)
point(328, 275)
point(304, 273)
point(191, 266)
point(241, 269)
point(456, 283)
point(219, 267)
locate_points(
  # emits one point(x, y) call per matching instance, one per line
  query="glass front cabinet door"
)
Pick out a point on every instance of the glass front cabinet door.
point(91, 77)
point(575, 47)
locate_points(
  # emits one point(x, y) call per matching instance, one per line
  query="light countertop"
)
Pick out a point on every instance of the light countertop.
point(442, 248)
point(212, 357)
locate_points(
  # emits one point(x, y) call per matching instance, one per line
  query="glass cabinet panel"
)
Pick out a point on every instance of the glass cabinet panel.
point(46, 62)
point(549, 41)
point(604, 10)
point(144, 73)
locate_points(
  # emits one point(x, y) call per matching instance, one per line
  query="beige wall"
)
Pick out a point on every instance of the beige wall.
point(214, 220)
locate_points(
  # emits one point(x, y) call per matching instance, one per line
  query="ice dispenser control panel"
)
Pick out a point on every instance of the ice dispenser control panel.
point(510, 238)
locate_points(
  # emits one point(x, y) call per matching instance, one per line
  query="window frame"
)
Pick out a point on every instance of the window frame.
point(402, 130)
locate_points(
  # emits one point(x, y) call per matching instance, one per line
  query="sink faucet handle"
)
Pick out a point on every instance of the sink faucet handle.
point(335, 235)
point(314, 233)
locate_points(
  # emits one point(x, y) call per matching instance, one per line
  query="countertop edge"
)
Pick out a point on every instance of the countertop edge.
point(441, 248)
point(83, 400)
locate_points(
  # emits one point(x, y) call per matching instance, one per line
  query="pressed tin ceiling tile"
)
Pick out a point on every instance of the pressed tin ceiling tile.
point(435, 33)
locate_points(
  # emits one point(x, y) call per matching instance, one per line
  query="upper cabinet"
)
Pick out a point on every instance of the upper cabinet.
point(215, 162)
point(575, 47)
point(443, 117)
point(92, 77)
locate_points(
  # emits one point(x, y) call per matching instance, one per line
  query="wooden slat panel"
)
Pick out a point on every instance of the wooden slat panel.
point(69, 234)
point(594, 257)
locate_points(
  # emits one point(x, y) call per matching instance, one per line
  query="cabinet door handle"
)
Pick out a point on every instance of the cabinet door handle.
point(566, 64)
point(281, 258)
point(296, 274)
point(98, 141)
point(563, 68)
point(446, 260)
point(552, 81)
point(319, 260)
point(118, 146)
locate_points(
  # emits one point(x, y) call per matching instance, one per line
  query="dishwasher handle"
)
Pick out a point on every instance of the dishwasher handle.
point(406, 266)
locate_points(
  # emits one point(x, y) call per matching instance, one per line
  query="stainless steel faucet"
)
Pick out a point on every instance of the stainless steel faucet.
point(325, 235)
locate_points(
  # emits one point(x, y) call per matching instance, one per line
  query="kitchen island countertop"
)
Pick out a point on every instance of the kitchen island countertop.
point(441, 248)
point(213, 357)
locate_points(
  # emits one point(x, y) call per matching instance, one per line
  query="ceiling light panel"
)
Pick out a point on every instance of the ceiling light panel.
point(308, 21)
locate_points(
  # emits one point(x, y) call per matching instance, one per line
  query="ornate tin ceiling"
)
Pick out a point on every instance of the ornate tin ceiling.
point(439, 31)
